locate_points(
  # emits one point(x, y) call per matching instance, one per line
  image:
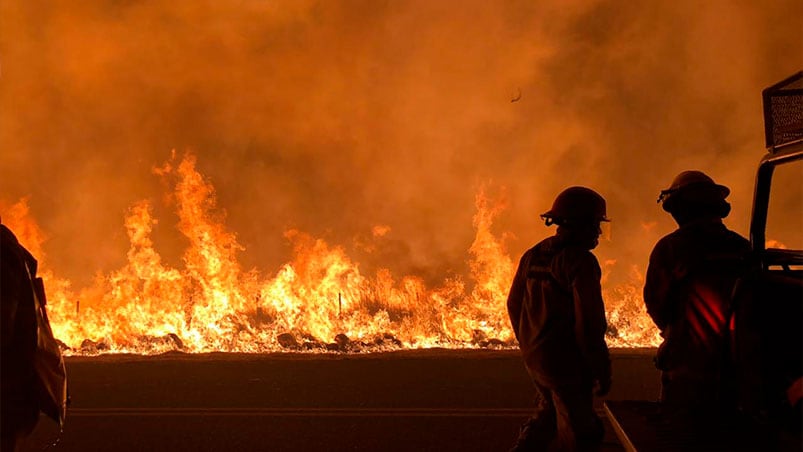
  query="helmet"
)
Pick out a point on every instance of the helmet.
point(575, 205)
point(692, 185)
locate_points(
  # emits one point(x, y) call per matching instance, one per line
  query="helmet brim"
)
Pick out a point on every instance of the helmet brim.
point(549, 215)
point(723, 190)
point(669, 198)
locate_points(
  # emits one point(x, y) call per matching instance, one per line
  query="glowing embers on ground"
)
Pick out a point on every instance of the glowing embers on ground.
point(318, 301)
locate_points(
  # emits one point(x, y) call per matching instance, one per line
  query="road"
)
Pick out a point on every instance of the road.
point(426, 400)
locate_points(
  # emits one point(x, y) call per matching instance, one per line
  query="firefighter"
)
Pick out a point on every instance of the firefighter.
point(558, 316)
point(687, 292)
point(18, 400)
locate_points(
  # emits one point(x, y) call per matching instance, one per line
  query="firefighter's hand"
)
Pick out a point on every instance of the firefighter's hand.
point(603, 386)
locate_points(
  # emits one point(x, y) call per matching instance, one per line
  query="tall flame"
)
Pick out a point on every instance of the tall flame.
point(320, 300)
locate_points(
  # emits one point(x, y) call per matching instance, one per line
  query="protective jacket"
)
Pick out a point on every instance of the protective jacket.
point(557, 313)
point(18, 396)
point(690, 280)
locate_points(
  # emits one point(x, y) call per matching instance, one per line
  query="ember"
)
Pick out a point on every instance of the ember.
point(319, 301)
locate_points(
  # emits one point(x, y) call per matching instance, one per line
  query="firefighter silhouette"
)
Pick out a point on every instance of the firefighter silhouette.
point(32, 370)
point(557, 313)
point(690, 280)
point(20, 410)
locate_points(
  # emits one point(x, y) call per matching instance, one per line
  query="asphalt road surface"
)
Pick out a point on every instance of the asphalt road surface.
point(430, 400)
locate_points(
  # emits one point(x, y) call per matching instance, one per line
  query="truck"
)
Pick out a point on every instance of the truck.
point(765, 339)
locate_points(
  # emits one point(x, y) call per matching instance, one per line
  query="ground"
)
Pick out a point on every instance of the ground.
point(428, 400)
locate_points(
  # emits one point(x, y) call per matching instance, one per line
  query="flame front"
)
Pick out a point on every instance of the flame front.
point(318, 301)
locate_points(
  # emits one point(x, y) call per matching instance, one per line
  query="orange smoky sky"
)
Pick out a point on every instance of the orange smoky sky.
point(335, 117)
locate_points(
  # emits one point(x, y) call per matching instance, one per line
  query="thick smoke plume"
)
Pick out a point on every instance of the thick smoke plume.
point(340, 117)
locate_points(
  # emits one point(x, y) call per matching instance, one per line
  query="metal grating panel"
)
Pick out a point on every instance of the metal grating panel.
point(783, 111)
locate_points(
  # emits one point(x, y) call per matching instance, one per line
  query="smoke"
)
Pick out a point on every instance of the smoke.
point(334, 117)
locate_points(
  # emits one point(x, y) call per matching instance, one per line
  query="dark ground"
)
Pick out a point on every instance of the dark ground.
point(425, 400)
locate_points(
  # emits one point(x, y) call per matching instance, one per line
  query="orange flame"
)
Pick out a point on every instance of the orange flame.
point(318, 301)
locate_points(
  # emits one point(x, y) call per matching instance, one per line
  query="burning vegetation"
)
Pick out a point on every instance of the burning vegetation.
point(319, 301)
point(358, 133)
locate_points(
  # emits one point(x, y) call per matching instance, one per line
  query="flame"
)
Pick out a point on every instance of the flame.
point(318, 301)
point(18, 218)
point(771, 243)
point(628, 322)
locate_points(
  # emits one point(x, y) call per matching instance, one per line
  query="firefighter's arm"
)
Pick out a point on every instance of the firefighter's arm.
point(590, 323)
point(516, 295)
point(657, 287)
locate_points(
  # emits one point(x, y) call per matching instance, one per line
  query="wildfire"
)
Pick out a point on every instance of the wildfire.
point(318, 301)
